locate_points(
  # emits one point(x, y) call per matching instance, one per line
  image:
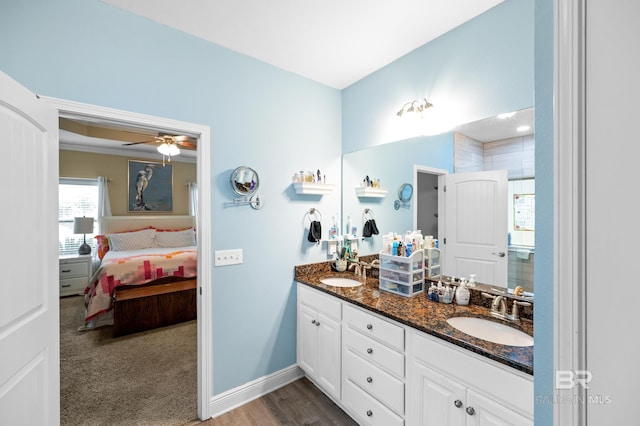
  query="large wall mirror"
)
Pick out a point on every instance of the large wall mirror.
point(487, 145)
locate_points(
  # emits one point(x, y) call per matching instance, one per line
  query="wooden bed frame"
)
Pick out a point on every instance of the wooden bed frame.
point(157, 304)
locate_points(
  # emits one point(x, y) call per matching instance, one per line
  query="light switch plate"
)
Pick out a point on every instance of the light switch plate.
point(228, 257)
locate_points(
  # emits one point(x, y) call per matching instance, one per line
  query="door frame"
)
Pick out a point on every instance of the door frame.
point(417, 168)
point(203, 225)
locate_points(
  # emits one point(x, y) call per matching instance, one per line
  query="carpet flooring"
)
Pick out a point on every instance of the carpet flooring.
point(147, 378)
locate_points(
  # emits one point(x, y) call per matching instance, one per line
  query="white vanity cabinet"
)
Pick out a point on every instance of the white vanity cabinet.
point(447, 386)
point(373, 368)
point(319, 338)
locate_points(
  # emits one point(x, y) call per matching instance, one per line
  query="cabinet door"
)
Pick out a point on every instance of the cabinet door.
point(489, 413)
point(434, 400)
point(328, 352)
point(307, 340)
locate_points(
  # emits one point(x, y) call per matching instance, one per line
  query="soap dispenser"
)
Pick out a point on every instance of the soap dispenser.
point(462, 293)
point(472, 281)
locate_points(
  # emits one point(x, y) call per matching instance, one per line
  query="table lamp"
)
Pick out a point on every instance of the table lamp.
point(83, 225)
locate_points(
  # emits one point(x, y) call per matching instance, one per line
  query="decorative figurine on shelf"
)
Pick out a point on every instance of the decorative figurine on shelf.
point(319, 177)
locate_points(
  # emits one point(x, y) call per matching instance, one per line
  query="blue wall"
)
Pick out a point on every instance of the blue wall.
point(478, 70)
point(260, 116)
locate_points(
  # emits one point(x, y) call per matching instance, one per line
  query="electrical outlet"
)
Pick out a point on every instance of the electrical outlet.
point(228, 257)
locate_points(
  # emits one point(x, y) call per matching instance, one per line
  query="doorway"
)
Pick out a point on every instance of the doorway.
point(202, 133)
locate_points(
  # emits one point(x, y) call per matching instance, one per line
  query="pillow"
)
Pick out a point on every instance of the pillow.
point(103, 245)
point(133, 240)
point(183, 238)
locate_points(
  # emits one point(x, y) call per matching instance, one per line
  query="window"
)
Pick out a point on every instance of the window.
point(77, 198)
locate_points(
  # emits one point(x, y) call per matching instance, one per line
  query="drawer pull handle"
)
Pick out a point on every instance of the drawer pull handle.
point(457, 403)
point(369, 413)
point(369, 350)
point(369, 379)
point(470, 411)
point(369, 326)
point(66, 285)
point(66, 270)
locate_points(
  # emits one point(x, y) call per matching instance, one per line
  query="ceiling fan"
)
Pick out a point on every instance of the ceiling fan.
point(167, 144)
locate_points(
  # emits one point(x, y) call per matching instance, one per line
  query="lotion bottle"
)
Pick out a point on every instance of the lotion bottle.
point(462, 293)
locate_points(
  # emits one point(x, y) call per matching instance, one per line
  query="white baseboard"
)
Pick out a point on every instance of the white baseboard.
point(236, 397)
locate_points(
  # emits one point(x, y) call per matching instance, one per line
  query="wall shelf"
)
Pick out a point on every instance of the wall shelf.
point(312, 188)
point(366, 192)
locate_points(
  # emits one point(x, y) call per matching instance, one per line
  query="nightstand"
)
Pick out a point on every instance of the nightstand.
point(75, 271)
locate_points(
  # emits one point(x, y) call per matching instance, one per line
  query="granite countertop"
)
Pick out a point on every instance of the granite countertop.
point(422, 314)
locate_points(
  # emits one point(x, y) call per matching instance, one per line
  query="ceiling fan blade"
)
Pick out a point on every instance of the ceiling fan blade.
point(138, 143)
point(187, 145)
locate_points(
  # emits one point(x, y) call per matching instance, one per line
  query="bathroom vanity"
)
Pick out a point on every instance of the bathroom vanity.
point(392, 360)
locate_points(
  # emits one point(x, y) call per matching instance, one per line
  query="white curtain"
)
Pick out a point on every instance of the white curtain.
point(193, 199)
point(104, 206)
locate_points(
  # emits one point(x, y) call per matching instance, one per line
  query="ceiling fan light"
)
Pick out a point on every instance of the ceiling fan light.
point(168, 149)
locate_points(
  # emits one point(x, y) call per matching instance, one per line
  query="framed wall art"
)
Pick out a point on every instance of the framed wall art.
point(150, 187)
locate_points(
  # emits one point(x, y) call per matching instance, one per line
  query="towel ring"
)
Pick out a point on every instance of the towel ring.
point(366, 212)
point(316, 213)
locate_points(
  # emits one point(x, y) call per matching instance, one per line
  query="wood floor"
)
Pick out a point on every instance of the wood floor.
point(298, 403)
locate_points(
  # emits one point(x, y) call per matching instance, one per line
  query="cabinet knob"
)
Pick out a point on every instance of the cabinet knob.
point(369, 350)
point(369, 326)
point(369, 413)
point(317, 323)
point(369, 379)
point(470, 411)
point(457, 403)
point(313, 321)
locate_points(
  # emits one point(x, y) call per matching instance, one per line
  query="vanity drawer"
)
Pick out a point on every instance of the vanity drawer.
point(73, 269)
point(375, 327)
point(326, 304)
point(368, 410)
point(375, 352)
point(381, 385)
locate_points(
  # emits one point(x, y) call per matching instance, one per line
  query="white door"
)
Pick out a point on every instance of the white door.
point(476, 226)
point(29, 310)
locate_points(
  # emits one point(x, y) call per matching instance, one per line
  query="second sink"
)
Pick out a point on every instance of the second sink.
point(340, 282)
point(491, 331)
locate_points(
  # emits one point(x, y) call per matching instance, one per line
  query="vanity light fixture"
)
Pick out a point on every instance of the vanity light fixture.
point(417, 106)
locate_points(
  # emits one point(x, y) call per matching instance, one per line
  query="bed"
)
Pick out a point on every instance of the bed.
point(157, 253)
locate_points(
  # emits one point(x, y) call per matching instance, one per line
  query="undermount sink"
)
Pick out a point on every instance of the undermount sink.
point(491, 331)
point(340, 282)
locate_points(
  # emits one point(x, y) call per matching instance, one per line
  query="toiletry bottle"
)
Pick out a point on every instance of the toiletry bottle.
point(409, 249)
point(448, 294)
point(472, 281)
point(348, 227)
point(394, 249)
point(433, 291)
point(462, 293)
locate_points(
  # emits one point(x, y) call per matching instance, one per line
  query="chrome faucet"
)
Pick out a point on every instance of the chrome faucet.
point(499, 307)
point(356, 268)
point(360, 268)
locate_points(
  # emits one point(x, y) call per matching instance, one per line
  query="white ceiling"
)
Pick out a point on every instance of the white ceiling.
point(334, 42)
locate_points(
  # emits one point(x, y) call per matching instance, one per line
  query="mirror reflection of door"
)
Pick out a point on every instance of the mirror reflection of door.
point(475, 227)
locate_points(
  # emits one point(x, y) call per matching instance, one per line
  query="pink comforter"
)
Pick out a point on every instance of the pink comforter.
point(135, 268)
